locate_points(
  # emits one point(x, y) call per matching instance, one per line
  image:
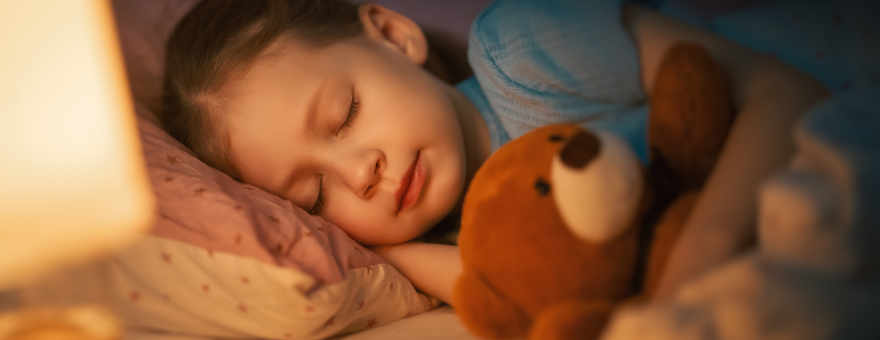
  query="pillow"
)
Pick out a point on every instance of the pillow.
point(838, 42)
point(226, 259)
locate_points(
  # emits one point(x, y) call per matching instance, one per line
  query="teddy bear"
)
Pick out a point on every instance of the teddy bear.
point(563, 224)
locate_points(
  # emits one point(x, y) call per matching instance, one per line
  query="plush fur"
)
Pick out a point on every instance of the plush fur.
point(526, 272)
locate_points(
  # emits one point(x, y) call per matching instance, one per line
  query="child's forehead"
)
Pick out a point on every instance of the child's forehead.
point(290, 56)
point(282, 58)
point(282, 82)
point(285, 46)
point(290, 44)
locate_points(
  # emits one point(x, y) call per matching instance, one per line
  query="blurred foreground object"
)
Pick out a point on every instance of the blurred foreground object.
point(81, 323)
point(816, 273)
point(73, 182)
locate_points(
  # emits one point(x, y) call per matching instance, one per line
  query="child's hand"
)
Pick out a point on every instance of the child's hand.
point(769, 97)
point(384, 250)
point(379, 250)
point(432, 268)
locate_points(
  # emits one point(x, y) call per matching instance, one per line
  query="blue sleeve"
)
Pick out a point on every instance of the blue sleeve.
point(541, 62)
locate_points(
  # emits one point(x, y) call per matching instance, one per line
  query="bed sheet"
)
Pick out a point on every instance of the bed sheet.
point(438, 324)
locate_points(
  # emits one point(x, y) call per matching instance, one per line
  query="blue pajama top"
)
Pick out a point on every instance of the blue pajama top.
point(539, 62)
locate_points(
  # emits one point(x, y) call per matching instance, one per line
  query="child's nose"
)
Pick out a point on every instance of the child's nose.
point(364, 172)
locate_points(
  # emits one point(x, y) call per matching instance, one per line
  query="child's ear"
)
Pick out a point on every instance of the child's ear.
point(395, 31)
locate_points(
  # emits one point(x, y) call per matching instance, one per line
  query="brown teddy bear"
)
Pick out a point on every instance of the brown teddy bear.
point(563, 224)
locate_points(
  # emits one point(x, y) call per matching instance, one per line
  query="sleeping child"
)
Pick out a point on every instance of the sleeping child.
point(327, 104)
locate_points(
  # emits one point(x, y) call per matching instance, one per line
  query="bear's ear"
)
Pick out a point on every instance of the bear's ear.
point(485, 312)
point(597, 185)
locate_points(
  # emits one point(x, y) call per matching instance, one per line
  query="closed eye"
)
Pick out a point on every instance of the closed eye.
point(349, 120)
point(319, 203)
point(352, 115)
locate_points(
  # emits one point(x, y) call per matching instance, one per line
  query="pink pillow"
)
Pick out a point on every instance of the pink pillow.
point(204, 217)
point(203, 207)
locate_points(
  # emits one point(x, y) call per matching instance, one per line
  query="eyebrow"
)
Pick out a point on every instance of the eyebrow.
point(311, 115)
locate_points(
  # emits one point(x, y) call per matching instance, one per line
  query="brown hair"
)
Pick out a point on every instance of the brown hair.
point(218, 39)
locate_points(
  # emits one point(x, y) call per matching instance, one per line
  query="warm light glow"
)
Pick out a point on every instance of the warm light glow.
point(73, 183)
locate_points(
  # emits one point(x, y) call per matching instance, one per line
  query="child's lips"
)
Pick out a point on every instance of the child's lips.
point(411, 185)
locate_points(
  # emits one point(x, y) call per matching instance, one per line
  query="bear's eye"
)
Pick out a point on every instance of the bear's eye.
point(556, 138)
point(542, 187)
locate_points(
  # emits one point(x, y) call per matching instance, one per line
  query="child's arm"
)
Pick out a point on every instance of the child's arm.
point(769, 97)
point(432, 268)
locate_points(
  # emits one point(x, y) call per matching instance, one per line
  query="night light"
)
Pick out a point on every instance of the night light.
point(73, 182)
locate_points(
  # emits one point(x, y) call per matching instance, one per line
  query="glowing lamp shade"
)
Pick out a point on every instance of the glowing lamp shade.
point(73, 183)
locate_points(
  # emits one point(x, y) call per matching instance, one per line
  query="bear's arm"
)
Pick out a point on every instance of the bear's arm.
point(769, 97)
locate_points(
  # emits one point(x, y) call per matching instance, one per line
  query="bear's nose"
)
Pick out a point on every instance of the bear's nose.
point(580, 150)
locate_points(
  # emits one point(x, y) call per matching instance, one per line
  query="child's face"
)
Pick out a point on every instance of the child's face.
point(290, 132)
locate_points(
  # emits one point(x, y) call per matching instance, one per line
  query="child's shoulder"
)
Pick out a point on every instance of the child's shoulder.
point(541, 62)
point(573, 46)
point(509, 18)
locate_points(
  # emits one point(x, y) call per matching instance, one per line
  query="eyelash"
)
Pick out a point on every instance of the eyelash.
point(319, 203)
point(352, 114)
